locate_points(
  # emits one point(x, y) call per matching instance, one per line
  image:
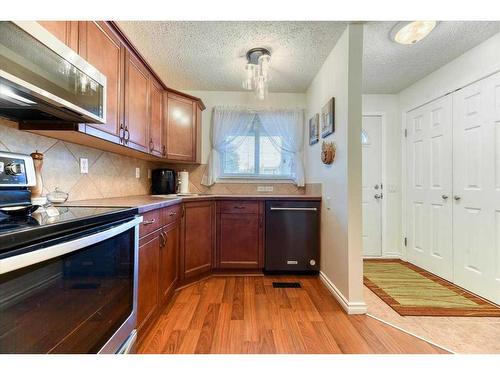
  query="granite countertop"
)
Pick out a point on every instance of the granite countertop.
point(149, 202)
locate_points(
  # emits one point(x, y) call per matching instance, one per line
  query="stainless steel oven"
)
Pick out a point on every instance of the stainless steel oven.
point(74, 292)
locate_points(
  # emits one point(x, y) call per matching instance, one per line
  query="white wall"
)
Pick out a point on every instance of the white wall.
point(240, 98)
point(388, 106)
point(474, 64)
point(340, 77)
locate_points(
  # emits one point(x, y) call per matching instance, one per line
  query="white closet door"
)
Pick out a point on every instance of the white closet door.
point(371, 141)
point(429, 208)
point(476, 185)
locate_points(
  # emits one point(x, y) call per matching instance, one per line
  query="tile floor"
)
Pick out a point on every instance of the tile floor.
point(464, 335)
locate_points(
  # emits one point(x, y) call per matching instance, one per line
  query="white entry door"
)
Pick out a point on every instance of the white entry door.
point(429, 187)
point(371, 140)
point(476, 185)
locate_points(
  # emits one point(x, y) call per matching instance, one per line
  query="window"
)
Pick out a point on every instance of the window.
point(258, 154)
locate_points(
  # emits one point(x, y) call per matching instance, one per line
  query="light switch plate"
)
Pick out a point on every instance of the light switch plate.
point(149, 173)
point(328, 202)
point(137, 172)
point(84, 165)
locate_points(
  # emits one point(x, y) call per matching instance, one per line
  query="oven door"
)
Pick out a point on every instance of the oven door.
point(76, 296)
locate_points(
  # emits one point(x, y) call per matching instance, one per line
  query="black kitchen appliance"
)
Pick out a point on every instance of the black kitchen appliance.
point(164, 181)
point(68, 275)
point(292, 237)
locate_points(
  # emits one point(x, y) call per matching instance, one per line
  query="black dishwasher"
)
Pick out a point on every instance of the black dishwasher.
point(292, 236)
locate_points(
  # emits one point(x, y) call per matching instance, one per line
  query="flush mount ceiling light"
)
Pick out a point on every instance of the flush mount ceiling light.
point(257, 72)
point(412, 32)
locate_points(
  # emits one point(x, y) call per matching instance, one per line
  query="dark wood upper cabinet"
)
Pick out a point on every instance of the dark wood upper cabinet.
point(65, 31)
point(147, 299)
point(169, 261)
point(102, 48)
point(239, 235)
point(136, 103)
point(180, 128)
point(197, 241)
point(156, 146)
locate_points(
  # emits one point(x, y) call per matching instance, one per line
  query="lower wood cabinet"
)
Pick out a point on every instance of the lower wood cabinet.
point(169, 252)
point(198, 238)
point(147, 299)
point(239, 235)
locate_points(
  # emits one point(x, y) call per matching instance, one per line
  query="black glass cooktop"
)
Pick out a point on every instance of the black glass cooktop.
point(42, 224)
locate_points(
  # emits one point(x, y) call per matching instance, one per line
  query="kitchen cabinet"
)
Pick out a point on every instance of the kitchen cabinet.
point(65, 31)
point(180, 128)
point(144, 118)
point(147, 298)
point(156, 145)
point(240, 235)
point(102, 48)
point(168, 261)
point(136, 103)
point(197, 239)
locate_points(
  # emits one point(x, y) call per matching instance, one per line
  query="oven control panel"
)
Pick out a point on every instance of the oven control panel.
point(16, 170)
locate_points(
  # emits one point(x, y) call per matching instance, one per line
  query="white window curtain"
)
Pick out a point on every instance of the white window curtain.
point(227, 125)
point(288, 125)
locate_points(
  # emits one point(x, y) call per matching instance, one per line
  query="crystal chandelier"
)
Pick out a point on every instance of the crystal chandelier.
point(257, 72)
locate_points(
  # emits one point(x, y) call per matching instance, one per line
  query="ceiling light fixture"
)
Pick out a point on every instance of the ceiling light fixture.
point(412, 32)
point(257, 72)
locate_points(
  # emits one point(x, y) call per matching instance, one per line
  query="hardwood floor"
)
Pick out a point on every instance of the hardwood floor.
point(245, 314)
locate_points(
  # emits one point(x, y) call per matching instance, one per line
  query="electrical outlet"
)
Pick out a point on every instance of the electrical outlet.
point(137, 172)
point(265, 188)
point(84, 165)
point(149, 173)
point(328, 201)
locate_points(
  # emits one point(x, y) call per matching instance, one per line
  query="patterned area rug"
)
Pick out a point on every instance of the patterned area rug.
point(410, 290)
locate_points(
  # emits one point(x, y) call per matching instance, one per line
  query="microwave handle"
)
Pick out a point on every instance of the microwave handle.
point(24, 260)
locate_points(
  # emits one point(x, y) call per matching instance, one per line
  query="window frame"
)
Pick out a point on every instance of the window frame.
point(257, 131)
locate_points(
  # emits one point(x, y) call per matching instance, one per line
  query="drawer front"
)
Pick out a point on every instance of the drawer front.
point(152, 220)
point(239, 207)
point(171, 214)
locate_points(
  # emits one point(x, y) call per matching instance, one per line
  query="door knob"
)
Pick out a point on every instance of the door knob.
point(457, 197)
point(377, 196)
point(444, 196)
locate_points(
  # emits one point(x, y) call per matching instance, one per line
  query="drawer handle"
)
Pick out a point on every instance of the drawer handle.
point(239, 207)
point(148, 222)
point(294, 209)
point(172, 214)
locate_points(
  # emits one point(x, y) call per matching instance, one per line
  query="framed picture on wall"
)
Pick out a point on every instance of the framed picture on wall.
point(328, 118)
point(314, 129)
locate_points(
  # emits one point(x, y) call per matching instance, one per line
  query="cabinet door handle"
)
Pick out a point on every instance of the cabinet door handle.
point(126, 135)
point(162, 239)
point(121, 133)
point(148, 222)
point(151, 145)
point(163, 151)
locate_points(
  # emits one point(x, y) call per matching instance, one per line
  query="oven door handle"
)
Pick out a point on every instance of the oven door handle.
point(27, 259)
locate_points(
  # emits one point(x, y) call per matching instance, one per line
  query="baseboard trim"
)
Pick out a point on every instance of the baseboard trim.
point(349, 307)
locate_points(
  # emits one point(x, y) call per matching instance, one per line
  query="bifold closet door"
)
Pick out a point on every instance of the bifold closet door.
point(476, 187)
point(429, 187)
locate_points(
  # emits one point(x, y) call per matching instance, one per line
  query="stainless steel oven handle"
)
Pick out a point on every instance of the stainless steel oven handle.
point(294, 209)
point(33, 257)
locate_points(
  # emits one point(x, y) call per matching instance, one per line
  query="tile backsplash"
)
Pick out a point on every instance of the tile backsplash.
point(110, 175)
point(113, 175)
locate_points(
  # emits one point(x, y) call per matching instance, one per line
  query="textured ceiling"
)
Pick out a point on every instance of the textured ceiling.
point(209, 55)
point(389, 67)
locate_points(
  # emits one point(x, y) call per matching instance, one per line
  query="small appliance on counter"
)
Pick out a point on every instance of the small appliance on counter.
point(164, 181)
point(183, 183)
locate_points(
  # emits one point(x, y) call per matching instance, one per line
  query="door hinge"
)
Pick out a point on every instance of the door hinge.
point(406, 241)
point(406, 133)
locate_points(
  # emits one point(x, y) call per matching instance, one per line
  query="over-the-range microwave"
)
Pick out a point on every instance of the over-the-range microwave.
point(43, 80)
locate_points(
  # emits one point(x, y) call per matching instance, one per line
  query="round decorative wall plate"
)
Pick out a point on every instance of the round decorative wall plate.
point(327, 152)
